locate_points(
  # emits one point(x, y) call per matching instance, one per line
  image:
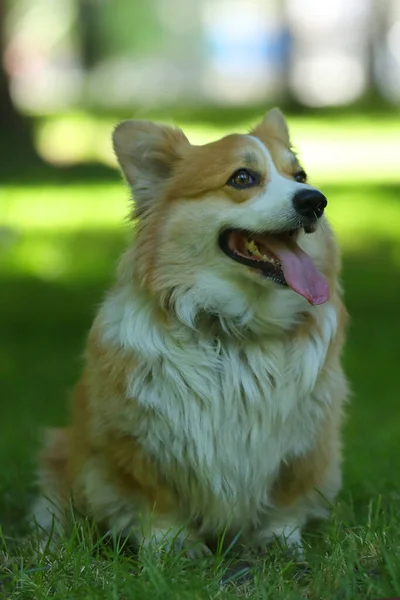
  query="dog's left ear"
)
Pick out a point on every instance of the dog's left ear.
point(147, 153)
point(273, 125)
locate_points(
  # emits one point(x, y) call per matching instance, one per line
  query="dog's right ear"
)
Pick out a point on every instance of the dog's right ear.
point(147, 154)
point(273, 125)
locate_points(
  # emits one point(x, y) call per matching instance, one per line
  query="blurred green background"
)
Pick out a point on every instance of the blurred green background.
point(71, 70)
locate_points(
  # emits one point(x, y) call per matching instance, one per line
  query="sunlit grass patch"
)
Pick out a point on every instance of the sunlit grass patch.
point(64, 207)
point(342, 149)
point(52, 224)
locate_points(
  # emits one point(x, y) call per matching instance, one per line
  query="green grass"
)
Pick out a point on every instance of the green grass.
point(66, 232)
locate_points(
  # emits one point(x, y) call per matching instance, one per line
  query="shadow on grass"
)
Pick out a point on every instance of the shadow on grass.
point(43, 326)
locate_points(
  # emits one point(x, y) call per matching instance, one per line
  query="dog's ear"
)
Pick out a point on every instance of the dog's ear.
point(147, 153)
point(273, 125)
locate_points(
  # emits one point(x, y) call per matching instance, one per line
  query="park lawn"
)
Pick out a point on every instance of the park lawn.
point(55, 265)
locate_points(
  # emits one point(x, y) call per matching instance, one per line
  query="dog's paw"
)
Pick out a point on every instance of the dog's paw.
point(165, 540)
point(290, 541)
point(196, 549)
point(288, 537)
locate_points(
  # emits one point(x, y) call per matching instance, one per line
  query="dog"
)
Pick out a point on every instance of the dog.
point(212, 393)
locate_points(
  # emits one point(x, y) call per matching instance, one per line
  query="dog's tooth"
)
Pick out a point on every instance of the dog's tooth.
point(252, 247)
point(253, 250)
point(270, 259)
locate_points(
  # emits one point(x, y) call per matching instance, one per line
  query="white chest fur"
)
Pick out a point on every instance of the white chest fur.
point(225, 414)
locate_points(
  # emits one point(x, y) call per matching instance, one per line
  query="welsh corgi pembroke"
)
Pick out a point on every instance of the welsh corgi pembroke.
point(212, 391)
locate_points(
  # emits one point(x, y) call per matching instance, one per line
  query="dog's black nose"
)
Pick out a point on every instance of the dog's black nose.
point(309, 203)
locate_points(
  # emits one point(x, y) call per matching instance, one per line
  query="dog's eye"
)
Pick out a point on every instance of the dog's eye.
point(300, 176)
point(243, 179)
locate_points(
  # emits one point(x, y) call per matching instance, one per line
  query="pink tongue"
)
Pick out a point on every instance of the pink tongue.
point(299, 270)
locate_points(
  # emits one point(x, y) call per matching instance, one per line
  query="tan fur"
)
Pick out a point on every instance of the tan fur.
point(55, 458)
point(104, 461)
point(305, 474)
point(131, 470)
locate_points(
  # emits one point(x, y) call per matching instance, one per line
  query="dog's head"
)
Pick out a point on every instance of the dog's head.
point(226, 224)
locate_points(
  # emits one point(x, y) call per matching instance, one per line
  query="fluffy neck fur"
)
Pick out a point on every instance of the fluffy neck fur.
point(237, 376)
point(204, 303)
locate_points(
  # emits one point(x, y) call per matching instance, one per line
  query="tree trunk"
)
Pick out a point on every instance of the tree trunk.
point(16, 130)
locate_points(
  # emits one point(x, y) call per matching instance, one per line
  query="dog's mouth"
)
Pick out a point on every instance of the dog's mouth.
point(278, 257)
